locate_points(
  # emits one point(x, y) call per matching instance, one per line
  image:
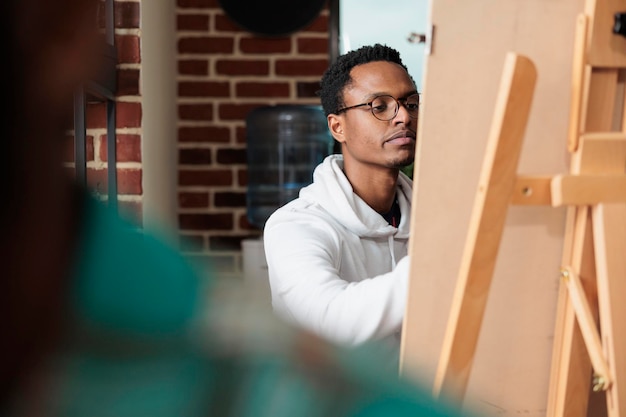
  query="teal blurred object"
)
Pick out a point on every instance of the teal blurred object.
point(152, 335)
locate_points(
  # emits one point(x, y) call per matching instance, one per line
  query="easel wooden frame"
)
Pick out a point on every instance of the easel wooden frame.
point(588, 335)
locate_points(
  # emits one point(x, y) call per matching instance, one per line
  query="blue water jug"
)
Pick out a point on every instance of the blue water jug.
point(284, 145)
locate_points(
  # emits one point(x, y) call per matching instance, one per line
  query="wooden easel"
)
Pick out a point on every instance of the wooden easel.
point(589, 351)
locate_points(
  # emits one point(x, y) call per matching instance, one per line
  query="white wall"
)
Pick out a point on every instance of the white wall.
point(158, 92)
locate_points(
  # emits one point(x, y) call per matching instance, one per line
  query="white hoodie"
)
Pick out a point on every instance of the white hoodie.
point(336, 267)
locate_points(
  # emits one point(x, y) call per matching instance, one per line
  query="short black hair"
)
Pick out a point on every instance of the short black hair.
point(337, 75)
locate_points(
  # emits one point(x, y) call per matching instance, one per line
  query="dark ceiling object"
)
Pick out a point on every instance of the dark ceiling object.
point(272, 17)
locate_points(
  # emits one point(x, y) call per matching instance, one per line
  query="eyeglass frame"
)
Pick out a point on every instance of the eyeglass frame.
point(397, 100)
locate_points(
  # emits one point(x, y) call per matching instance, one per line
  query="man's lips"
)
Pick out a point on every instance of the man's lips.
point(402, 138)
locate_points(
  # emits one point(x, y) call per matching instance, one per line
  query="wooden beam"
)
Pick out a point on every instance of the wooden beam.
point(495, 189)
point(588, 189)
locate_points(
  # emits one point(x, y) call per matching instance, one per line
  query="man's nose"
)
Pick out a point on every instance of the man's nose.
point(403, 114)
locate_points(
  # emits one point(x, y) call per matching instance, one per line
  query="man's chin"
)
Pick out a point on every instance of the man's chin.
point(403, 163)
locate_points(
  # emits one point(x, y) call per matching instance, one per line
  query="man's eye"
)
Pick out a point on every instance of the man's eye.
point(379, 108)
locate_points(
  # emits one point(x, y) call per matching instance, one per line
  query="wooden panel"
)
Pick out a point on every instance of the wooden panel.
point(588, 189)
point(604, 153)
point(601, 96)
point(511, 368)
point(491, 204)
point(608, 48)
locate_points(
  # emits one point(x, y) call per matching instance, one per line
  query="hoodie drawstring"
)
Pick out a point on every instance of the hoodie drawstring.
point(393, 256)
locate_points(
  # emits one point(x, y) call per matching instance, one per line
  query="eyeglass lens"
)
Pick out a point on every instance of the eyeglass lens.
point(386, 107)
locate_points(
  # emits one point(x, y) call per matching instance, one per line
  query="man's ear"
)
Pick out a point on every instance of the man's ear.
point(335, 125)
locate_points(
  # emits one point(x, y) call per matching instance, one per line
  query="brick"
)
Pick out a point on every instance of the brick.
point(194, 156)
point(242, 67)
point(232, 156)
point(202, 112)
point(229, 199)
point(245, 224)
point(189, 199)
point(128, 114)
point(229, 111)
point(240, 134)
point(127, 148)
point(96, 115)
point(209, 52)
point(258, 45)
point(128, 49)
point(319, 25)
point(262, 89)
point(224, 23)
point(193, 67)
point(206, 45)
point(196, 3)
point(126, 15)
point(204, 221)
point(312, 45)
point(203, 89)
point(97, 180)
point(209, 178)
point(192, 22)
point(307, 89)
point(128, 181)
point(296, 67)
point(226, 243)
point(127, 82)
point(204, 134)
point(242, 177)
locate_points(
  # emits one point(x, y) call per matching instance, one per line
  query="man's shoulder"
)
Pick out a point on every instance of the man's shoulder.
point(302, 219)
point(300, 210)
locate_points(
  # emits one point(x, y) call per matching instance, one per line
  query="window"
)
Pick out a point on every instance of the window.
point(100, 90)
point(355, 23)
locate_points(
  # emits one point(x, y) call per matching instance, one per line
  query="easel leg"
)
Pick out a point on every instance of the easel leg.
point(571, 368)
point(495, 188)
point(609, 222)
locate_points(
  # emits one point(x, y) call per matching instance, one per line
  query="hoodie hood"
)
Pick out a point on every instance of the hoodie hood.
point(332, 191)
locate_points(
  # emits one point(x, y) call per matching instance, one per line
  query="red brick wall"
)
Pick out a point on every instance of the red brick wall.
point(223, 73)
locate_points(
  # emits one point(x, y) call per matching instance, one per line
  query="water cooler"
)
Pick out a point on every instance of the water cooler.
point(284, 145)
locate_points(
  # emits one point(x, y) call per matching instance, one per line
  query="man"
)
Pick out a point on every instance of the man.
point(100, 319)
point(337, 255)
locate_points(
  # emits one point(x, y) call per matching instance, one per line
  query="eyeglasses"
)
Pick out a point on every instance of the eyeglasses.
point(385, 107)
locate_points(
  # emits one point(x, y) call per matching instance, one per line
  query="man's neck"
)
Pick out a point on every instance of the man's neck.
point(377, 187)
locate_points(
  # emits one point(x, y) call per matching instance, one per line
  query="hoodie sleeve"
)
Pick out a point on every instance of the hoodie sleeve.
point(303, 260)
